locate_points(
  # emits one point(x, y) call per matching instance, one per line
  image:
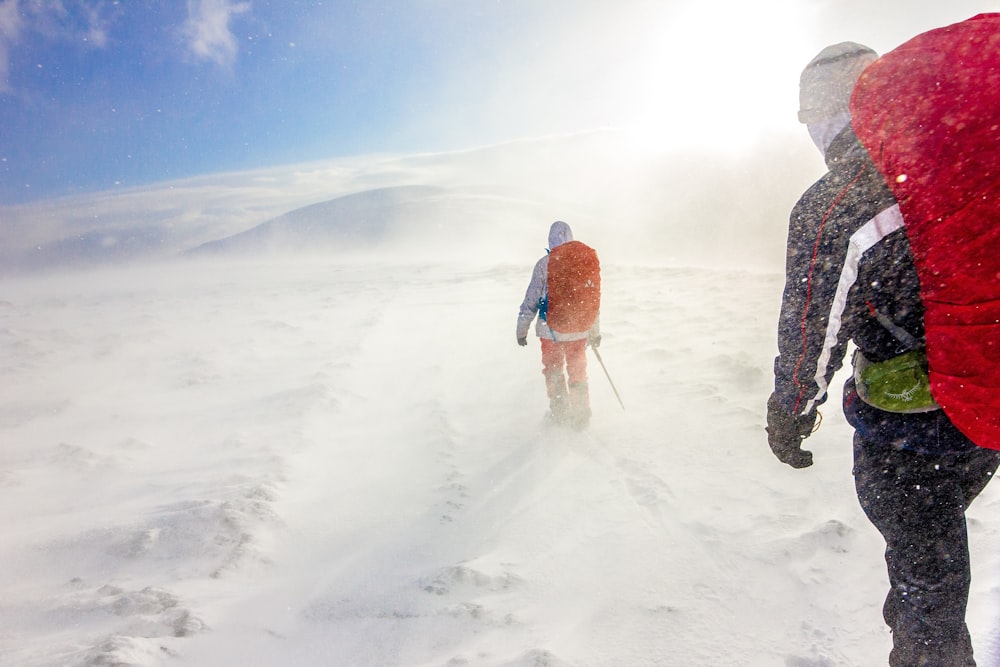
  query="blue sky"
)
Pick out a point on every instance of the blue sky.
point(102, 94)
point(98, 95)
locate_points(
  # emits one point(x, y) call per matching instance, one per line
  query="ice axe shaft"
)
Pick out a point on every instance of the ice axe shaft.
point(608, 375)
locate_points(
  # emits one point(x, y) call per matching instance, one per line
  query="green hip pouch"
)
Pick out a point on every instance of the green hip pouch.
point(899, 384)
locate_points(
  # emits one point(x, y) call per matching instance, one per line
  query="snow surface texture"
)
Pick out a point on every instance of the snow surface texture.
point(303, 462)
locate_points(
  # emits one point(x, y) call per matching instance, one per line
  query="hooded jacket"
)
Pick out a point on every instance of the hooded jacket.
point(849, 263)
point(559, 233)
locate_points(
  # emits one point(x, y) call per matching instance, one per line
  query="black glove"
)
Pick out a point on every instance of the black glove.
point(595, 341)
point(522, 341)
point(785, 433)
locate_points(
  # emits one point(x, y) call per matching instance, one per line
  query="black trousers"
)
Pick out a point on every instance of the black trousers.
point(918, 502)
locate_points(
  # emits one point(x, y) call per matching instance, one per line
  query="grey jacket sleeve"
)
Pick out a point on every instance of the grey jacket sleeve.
point(532, 297)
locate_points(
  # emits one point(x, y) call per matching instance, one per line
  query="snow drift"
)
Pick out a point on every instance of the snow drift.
point(273, 462)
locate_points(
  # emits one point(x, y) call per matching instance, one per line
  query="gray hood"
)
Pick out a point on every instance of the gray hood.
point(559, 233)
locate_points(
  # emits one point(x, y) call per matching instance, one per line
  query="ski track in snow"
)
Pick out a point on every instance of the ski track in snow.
point(300, 462)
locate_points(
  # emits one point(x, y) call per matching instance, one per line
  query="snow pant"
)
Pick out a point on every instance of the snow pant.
point(568, 403)
point(918, 502)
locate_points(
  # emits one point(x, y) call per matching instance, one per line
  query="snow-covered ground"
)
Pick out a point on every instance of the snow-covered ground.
point(308, 461)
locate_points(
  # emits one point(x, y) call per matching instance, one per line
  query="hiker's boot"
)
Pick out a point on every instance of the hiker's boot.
point(579, 400)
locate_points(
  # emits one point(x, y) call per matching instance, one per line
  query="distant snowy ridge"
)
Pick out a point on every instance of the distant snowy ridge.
point(491, 203)
point(415, 220)
point(345, 222)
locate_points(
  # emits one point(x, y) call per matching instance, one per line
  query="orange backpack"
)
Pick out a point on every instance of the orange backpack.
point(574, 288)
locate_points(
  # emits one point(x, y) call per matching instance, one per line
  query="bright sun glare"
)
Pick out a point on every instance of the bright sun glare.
point(698, 79)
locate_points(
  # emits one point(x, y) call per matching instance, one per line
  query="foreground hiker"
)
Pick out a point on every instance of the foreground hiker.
point(565, 294)
point(851, 276)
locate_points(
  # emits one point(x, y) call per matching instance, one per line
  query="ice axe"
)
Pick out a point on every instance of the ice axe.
point(608, 375)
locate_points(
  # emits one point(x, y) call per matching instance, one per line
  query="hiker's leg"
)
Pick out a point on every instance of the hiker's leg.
point(917, 503)
point(576, 360)
point(553, 360)
point(975, 470)
point(579, 392)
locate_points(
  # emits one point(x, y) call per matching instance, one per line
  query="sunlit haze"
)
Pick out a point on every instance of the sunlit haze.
point(131, 131)
point(100, 96)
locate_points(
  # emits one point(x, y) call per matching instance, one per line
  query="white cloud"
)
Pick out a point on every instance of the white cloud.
point(207, 30)
point(55, 21)
point(10, 30)
point(96, 32)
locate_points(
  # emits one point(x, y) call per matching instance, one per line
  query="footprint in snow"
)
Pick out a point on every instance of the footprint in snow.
point(457, 578)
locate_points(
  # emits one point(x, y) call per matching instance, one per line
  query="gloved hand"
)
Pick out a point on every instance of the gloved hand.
point(594, 341)
point(522, 341)
point(785, 433)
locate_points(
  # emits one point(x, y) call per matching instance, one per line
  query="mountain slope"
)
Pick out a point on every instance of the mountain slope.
point(357, 219)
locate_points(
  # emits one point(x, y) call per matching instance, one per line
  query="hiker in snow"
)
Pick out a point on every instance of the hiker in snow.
point(850, 276)
point(564, 293)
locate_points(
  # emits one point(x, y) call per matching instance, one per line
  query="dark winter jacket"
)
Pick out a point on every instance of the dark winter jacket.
point(848, 260)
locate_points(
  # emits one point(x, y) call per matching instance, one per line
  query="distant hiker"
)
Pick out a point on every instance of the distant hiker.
point(565, 293)
point(850, 276)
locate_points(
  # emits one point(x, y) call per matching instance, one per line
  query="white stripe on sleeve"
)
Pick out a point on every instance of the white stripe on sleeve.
point(873, 231)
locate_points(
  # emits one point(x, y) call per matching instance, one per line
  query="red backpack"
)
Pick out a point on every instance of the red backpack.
point(574, 288)
point(928, 112)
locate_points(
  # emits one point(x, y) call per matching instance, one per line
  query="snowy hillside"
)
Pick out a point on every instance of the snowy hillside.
point(302, 462)
point(406, 221)
point(316, 442)
point(643, 204)
point(342, 224)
